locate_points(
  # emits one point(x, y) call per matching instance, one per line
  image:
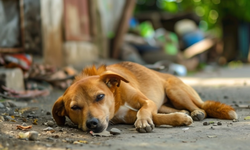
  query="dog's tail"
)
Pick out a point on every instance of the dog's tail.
point(219, 110)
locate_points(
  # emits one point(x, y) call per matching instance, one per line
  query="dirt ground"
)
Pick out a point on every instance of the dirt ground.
point(231, 86)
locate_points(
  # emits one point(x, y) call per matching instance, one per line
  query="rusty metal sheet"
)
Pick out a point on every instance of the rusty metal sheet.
point(76, 20)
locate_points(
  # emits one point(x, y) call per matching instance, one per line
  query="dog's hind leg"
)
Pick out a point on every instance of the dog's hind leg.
point(183, 96)
point(173, 119)
point(166, 110)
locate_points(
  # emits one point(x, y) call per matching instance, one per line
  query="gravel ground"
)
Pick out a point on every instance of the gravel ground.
point(208, 134)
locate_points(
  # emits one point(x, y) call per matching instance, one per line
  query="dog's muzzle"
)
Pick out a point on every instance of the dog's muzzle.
point(95, 125)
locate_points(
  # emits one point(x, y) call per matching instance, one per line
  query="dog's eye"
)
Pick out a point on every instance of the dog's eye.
point(75, 107)
point(99, 97)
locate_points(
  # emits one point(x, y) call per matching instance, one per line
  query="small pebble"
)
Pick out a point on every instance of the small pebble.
point(33, 135)
point(6, 104)
point(11, 104)
point(48, 145)
point(1, 119)
point(48, 129)
point(235, 120)
point(115, 131)
point(50, 123)
point(55, 136)
point(24, 124)
point(48, 113)
point(60, 130)
point(1, 106)
point(68, 147)
point(219, 123)
point(205, 123)
point(8, 118)
point(50, 139)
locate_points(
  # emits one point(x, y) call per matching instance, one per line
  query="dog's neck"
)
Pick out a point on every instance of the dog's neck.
point(118, 99)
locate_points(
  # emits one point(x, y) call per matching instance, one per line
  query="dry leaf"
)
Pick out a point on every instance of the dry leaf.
point(23, 127)
point(35, 121)
point(104, 133)
point(80, 142)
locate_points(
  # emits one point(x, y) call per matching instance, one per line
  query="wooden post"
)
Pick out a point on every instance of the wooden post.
point(123, 26)
point(51, 14)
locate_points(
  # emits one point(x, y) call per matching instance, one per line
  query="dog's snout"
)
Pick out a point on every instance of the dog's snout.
point(92, 123)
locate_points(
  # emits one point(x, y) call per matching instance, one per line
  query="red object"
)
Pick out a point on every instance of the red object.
point(23, 61)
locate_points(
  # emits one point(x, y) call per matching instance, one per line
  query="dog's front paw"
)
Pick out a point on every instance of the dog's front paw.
point(181, 119)
point(144, 125)
point(187, 120)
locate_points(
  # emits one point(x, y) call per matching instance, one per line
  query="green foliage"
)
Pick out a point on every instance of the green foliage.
point(210, 11)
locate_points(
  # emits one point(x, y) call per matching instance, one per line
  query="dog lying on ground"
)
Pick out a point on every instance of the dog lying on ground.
point(133, 94)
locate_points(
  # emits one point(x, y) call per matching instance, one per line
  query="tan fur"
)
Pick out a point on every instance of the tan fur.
point(219, 110)
point(132, 94)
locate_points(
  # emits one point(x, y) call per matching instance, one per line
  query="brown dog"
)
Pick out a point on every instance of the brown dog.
point(133, 94)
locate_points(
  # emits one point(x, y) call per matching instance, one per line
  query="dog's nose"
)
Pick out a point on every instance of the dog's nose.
point(92, 123)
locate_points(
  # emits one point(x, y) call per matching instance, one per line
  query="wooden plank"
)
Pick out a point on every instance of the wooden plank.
point(11, 50)
point(51, 14)
point(122, 27)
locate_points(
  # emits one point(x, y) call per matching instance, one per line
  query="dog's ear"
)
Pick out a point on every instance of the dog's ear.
point(59, 112)
point(112, 79)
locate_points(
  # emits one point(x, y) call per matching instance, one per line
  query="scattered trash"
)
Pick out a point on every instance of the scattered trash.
point(211, 122)
point(80, 142)
point(102, 134)
point(242, 105)
point(20, 127)
point(59, 78)
point(211, 136)
point(247, 118)
point(31, 135)
point(115, 131)
point(185, 129)
point(29, 94)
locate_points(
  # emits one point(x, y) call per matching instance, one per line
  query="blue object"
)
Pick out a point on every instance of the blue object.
point(243, 33)
point(191, 38)
point(133, 23)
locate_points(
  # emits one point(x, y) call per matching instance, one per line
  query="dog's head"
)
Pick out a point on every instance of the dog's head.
point(89, 102)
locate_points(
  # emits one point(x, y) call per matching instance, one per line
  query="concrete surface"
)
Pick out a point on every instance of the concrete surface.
point(230, 135)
